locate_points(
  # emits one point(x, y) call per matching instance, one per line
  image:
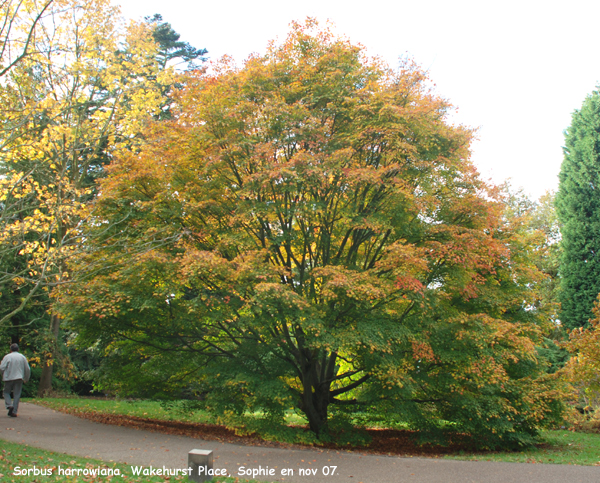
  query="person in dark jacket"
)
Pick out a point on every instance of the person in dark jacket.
point(15, 371)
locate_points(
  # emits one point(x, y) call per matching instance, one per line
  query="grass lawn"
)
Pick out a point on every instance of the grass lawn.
point(559, 447)
point(15, 458)
point(138, 408)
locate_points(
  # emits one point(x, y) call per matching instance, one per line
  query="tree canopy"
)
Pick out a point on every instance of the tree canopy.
point(308, 232)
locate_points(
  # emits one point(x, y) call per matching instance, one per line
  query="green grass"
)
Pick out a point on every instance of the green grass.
point(138, 408)
point(560, 447)
point(14, 458)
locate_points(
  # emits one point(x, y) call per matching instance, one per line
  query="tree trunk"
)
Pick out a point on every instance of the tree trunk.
point(46, 380)
point(48, 365)
point(316, 391)
point(15, 333)
point(315, 409)
point(318, 371)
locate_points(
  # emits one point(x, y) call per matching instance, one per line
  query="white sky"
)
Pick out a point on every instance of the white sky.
point(515, 69)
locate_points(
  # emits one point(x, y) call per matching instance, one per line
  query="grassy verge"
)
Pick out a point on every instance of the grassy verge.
point(559, 447)
point(15, 459)
point(137, 408)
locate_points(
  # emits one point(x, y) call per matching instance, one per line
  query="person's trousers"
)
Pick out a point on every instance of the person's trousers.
point(15, 387)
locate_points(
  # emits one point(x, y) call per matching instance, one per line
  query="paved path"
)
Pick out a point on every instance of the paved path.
point(52, 430)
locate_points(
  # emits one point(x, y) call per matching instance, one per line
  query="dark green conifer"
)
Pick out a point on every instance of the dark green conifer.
point(578, 210)
point(170, 47)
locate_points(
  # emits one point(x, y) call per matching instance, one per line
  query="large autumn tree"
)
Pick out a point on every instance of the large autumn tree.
point(578, 210)
point(308, 232)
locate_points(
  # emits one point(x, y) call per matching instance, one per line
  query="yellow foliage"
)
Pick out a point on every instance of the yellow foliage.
point(96, 83)
point(583, 369)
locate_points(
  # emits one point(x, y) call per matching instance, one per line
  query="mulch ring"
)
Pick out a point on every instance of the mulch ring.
point(384, 441)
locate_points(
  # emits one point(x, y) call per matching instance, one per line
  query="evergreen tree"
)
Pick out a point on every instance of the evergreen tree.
point(172, 52)
point(170, 47)
point(578, 210)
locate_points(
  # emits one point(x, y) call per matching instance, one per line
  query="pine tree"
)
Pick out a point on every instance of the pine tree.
point(171, 48)
point(174, 53)
point(578, 209)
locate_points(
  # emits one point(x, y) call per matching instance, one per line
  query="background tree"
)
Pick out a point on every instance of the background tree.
point(171, 50)
point(20, 24)
point(578, 210)
point(583, 369)
point(537, 226)
point(332, 247)
point(18, 35)
point(172, 53)
point(83, 91)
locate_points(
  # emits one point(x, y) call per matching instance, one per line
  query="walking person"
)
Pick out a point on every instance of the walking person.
point(15, 371)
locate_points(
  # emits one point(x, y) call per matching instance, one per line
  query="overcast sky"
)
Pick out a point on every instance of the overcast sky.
point(515, 69)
